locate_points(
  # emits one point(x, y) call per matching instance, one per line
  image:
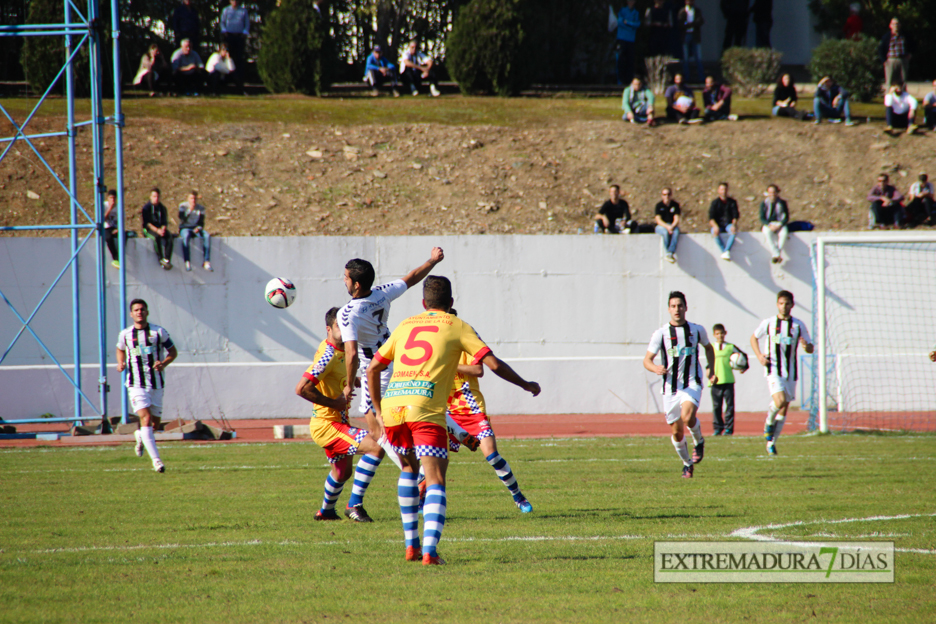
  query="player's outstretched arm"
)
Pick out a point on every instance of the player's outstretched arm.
point(307, 390)
point(472, 370)
point(419, 274)
point(755, 346)
point(503, 370)
point(656, 369)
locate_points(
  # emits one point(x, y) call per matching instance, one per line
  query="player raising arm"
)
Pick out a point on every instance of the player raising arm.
point(424, 351)
point(678, 343)
point(785, 334)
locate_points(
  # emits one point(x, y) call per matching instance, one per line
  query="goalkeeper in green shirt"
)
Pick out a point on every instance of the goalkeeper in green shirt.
point(724, 389)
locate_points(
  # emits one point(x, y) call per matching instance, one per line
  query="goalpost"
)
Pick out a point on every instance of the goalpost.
point(875, 324)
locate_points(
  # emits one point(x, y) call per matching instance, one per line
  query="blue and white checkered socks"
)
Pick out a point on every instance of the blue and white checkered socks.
point(683, 449)
point(502, 468)
point(149, 442)
point(433, 518)
point(772, 412)
point(454, 428)
point(332, 492)
point(366, 467)
point(696, 433)
point(408, 497)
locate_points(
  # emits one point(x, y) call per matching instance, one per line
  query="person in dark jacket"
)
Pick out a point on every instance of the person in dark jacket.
point(723, 219)
point(774, 216)
point(785, 98)
point(831, 102)
point(156, 227)
point(186, 25)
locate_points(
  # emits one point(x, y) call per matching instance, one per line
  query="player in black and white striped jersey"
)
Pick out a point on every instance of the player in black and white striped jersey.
point(145, 350)
point(784, 335)
point(679, 343)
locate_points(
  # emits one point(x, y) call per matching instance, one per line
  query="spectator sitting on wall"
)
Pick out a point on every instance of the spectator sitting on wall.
point(379, 70)
point(156, 227)
point(901, 110)
point(418, 67)
point(853, 25)
point(723, 219)
point(785, 97)
point(186, 25)
point(895, 51)
point(659, 21)
point(666, 216)
point(628, 23)
point(152, 63)
point(110, 227)
point(831, 102)
point(614, 216)
point(774, 216)
point(192, 223)
point(717, 101)
point(680, 102)
point(235, 27)
point(690, 22)
point(929, 108)
point(920, 206)
point(187, 69)
point(886, 208)
point(221, 69)
point(637, 103)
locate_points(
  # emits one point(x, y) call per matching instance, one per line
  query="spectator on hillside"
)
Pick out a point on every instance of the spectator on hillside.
point(886, 207)
point(192, 223)
point(235, 27)
point(637, 103)
point(900, 109)
point(628, 23)
point(723, 217)
point(220, 70)
point(831, 102)
point(156, 227)
point(895, 51)
point(380, 70)
point(774, 216)
point(659, 21)
point(854, 24)
point(717, 101)
point(762, 16)
point(186, 25)
point(680, 102)
point(187, 69)
point(110, 227)
point(418, 67)
point(920, 206)
point(666, 216)
point(152, 63)
point(736, 23)
point(614, 217)
point(929, 108)
point(690, 23)
point(785, 98)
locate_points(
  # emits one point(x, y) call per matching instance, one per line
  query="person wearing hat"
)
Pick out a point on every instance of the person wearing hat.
point(380, 70)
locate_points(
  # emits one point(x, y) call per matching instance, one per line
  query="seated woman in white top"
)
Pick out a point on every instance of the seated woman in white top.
point(220, 69)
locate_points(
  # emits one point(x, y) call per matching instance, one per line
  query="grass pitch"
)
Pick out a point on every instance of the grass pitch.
point(226, 535)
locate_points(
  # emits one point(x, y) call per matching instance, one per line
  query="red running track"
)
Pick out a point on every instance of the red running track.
point(506, 427)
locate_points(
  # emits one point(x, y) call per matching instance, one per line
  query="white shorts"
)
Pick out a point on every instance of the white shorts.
point(672, 403)
point(146, 397)
point(366, 404)
point(779, 384)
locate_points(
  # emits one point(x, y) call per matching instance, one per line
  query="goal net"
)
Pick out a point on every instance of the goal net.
point(874, 325)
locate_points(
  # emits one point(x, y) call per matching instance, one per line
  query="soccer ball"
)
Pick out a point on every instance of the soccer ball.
point(738, 361)
point(280, 292)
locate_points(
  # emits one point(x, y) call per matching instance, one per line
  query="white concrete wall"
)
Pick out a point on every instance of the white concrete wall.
point(572, 312)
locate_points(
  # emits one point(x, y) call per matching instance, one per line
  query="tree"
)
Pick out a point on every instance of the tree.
point(489, 49)
point(295, 56)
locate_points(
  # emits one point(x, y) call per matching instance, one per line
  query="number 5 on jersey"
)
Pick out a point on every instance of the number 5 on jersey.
point(413, 343)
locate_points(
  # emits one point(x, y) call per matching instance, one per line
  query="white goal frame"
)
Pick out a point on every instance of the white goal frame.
point(821, 369)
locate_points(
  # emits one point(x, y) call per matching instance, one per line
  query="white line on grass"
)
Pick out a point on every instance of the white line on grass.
point(753, 533)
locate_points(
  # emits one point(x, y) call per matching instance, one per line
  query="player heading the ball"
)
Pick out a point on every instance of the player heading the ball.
point(425, 350)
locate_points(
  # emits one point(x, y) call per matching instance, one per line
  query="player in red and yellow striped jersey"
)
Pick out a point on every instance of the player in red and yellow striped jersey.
point(323, 385)
point(425, 351)
point(466, 407)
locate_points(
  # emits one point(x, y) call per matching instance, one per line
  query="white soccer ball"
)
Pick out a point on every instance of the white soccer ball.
point(738, 361)
point(280, 292)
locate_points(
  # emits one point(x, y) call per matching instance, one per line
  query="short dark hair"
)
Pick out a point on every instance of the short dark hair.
point(615, 186)
point(923, 177)
point(155, 189)
point(112, 193)
point(453, 311)
point(362, 272)
point(774, 187)
point(675, 294)
point(140, 301)
point(331, 316)
point(785, 293)
point(725, 184)
point(437, 292)
point(718, 327)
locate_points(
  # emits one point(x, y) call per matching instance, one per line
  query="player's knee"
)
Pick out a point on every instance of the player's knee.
point(342, 471)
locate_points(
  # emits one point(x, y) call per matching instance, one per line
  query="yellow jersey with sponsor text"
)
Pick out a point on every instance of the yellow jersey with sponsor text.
point(329, 374)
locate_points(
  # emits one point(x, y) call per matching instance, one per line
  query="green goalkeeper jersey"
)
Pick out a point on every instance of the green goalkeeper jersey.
point(723, 371)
